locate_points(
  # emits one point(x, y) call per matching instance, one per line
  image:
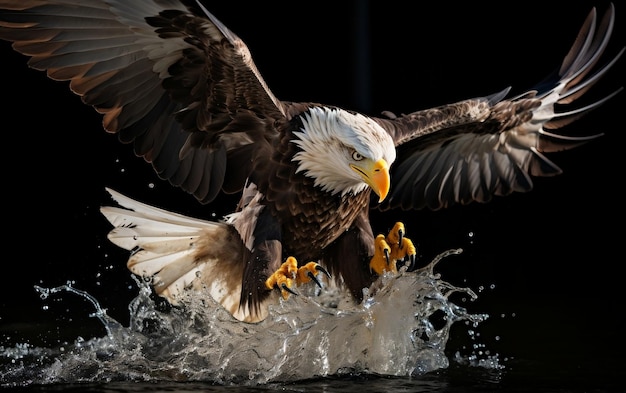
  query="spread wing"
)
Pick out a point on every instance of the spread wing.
point(475, 149)
point(167, 76)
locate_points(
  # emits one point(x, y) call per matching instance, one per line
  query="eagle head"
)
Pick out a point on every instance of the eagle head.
point(344, 152)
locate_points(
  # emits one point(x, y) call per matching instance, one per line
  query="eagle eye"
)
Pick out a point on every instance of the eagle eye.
point(356, 156)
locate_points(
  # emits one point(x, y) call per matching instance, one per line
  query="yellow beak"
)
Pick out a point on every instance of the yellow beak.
point(376, 175)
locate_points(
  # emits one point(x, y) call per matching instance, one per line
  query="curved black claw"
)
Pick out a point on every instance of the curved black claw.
point(286, 288)
point(402, 262)
point(400, 237)
point(411, 262)
point(386, 251)
point(321, 269)
point(312, 275)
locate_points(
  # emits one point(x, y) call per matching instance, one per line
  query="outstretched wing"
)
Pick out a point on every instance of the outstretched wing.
point(167, 76)
point(475, 149)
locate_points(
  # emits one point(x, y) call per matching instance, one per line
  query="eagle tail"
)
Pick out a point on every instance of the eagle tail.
point(179, 253)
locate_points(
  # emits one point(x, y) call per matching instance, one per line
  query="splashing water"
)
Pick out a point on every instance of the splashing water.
point(391, 333)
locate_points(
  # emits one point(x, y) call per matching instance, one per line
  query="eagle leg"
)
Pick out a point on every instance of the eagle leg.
point(393, 248)
point(288, 273)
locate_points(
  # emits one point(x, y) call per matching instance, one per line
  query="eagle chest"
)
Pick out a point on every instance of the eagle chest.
point(310, 217)
point(316, 218)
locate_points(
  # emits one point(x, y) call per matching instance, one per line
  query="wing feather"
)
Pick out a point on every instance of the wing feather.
point(167, 76)
point(474, 149)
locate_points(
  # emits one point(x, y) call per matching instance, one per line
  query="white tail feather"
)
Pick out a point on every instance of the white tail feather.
point(180, 253)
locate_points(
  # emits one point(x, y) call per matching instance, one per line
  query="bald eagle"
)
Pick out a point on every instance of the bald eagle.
point(171, 79)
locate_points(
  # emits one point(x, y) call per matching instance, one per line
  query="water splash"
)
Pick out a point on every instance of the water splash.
point(401, 329)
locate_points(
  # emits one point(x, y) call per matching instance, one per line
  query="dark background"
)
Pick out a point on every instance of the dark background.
point(550, 261)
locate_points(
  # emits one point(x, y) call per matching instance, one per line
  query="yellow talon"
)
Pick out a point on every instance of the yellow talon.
point(284, 277)
point(401, 247)
point(394, 247)
point(309, 272)
point(380, 262)
point(288, 273)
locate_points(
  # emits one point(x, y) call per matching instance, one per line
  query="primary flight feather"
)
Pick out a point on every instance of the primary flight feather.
point(171, 79)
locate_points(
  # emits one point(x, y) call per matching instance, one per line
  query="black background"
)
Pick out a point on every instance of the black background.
point(550, 261)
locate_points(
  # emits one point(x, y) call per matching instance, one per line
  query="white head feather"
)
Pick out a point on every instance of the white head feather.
point(329, 137)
